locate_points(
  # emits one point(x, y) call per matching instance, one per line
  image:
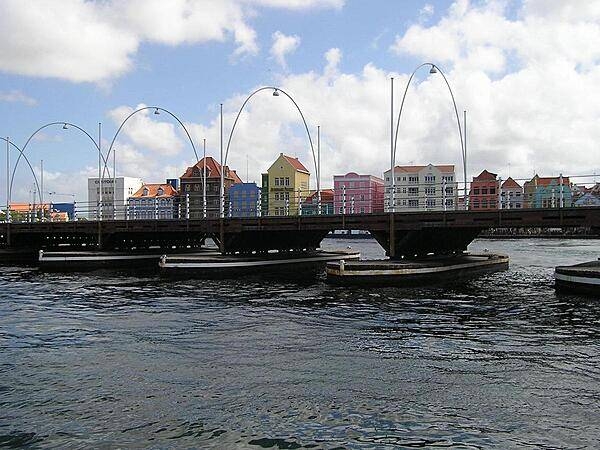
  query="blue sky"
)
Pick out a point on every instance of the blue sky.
point(483, 46)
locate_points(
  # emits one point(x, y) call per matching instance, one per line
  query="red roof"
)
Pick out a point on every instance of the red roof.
point(296, 164)
point(168, 190)
point(485, 175)
point(510, 184)
point(213, 170)
point(545, 181)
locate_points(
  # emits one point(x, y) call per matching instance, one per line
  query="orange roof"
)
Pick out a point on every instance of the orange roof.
point(415, 169)
point(296, 164)
point(326, 196)
point(168, 190)
point(24, 207)
point(213, 170)
point(510, 184)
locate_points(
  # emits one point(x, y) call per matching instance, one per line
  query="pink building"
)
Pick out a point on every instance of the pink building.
point(364, 194)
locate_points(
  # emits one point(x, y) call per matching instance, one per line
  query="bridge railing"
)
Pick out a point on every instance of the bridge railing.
point(351, 198)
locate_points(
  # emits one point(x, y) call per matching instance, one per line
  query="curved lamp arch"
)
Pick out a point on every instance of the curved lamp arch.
point(276, 91)
point(433, 69)
point(64, 124)
point(21, 153)
point(155, 108)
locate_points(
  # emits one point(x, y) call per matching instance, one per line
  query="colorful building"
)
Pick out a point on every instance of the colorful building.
point(310, 206)
point(483, 194)
point(587, 199)
point(547, 192)
point(284, 184)
point(110, 202)
point(422, 188)
point(358, 194)
point(192, 188)
point(243, 200)
point(511, 195)
point(154, 201)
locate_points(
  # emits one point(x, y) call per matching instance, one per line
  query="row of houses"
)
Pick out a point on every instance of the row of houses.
point(285, 190)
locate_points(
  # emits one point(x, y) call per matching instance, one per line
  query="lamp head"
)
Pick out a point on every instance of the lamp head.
point(275, 93)
point(433, 69)
point(156, 111)
point(65, 127)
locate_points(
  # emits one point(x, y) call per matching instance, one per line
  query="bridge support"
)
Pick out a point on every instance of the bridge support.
point(261, 241)
point(417, 243)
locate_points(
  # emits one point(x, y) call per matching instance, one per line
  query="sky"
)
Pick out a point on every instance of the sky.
point(526, 71)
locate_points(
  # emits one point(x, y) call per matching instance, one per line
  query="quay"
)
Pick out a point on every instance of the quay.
point(432, 269)
point(581, 278)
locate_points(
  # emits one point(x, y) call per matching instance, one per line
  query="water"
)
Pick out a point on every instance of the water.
point(112, 360)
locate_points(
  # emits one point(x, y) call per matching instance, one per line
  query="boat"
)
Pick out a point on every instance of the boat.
point(290, 264)
point(424, 271)
point(581, 278)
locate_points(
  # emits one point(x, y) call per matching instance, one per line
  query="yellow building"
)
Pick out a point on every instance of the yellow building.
point(284, 184)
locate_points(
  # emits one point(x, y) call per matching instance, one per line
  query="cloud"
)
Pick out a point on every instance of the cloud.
point(142, 130)
point(85, 41)
point(15, 96)
point(283, 45)
point(426, 12)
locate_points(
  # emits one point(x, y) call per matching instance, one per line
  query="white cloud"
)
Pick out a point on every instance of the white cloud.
point(426, 12)
point(16, 96)
point(84, 41)
point(283, 45)
point(143, 130)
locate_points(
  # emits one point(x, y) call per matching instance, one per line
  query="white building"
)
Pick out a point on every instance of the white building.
point(422, 188)
point(100, 201)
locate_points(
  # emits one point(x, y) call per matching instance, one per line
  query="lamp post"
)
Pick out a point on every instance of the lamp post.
point(157, 111)
point(463, 147)
point(276, 93)
point(64, 126)
point(9, 143)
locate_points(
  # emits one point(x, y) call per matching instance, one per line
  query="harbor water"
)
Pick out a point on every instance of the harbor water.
point(119, 360)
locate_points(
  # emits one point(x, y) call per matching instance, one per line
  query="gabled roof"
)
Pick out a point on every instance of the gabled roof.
point(326, 196)
point(485, 175)
point(295, 163)
point(546, 181)
point(213, 170)
point(510, 184)
point(168, 190)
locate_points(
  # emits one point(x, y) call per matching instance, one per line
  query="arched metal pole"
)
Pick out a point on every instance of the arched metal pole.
point(21, 153)
point(276, 89)
point(112, 143)
point(12, 178)
point(460, 133)
point(156, 108)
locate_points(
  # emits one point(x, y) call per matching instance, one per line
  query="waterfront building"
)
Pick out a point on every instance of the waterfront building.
point(483, 194)
point(310, 206)
point(422, 188)
point(511, 194)
point(192, 189)
point(154, 201)
point(284, 184)
point(112, 198)
point(547, 192)
point(243, 200)
point(357, 194)
point(588, 199)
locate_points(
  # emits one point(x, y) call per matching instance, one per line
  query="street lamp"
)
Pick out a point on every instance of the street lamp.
point(157, 111)
point(463, 145)
point(276, 93)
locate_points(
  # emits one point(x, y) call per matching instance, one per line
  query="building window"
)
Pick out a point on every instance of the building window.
point(492, 191)
point(431, 202)
point(413, 203)
point(413, 191)
point(429, 178)
point(484, 191)
point(287, 181)
point(276, 181)
point(430, 191)
point(413, 180)
point(476, 191)
point(145, 192)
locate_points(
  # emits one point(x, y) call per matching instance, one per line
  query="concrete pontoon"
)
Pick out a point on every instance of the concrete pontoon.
point(581, 278)
point(429, 270)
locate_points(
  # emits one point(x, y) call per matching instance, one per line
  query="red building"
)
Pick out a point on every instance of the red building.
point(483, 195)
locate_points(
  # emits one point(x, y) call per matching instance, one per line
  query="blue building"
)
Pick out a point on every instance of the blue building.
point(588, 199)
point(243, 200)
